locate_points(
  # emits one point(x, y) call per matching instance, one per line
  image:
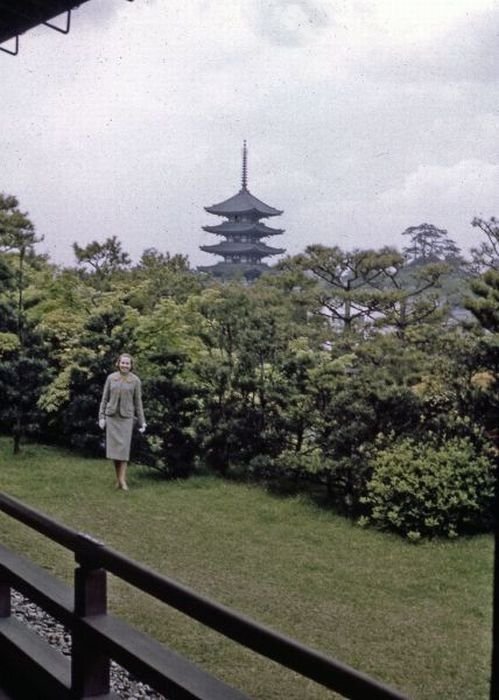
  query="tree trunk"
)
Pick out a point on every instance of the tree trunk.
point(17, 434)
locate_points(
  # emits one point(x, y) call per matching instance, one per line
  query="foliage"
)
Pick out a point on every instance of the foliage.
point(413, 297)
point(454, 404)
point(484, 304)
point(349, 286)
point(365, 290)
point(100, 260)
point(17, 232)
point(160, 276)
point(171, 445)
point(295, 376)
point(354, 408)
point(104, 336)
point(242, 341)
point(24, 370)
point(429, 244)
point(23, 375)
point(9, 342)
point(423, 489)
point(485, 256)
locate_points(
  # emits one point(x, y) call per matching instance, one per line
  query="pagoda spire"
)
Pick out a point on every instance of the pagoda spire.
point(244, 181)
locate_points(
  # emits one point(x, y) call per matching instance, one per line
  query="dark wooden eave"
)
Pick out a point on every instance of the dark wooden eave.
point(227, 270)
point(256, 229)
point(240, 248)
point(243, 203)
point(18, 16)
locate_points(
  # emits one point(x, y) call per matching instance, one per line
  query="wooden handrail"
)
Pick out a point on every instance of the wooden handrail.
point(96, 635)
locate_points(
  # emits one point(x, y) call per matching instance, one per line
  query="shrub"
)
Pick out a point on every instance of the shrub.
point(171, 406)
point(424, 490)
point(309, 463)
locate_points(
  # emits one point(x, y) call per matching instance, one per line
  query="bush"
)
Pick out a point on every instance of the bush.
point(423, 490)
point(171, 406)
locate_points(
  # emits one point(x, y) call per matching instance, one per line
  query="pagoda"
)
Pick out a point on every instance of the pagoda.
point(242, 249)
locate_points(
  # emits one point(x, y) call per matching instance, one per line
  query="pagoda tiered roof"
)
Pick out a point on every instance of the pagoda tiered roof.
point(241, 248)
point(243, 203)
point(231, 270)
point(243, 228)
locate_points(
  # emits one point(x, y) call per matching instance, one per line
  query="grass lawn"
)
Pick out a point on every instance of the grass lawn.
point(417, 617)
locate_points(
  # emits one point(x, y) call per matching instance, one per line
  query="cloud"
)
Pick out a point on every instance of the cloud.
point(289, 22)
point(446, 196)
point(98, 14)
point(461, 49)
point(471, 182)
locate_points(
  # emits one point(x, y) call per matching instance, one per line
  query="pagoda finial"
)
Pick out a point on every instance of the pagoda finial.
point(245, 167)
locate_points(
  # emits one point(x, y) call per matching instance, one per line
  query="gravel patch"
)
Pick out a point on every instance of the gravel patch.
point(122, 683)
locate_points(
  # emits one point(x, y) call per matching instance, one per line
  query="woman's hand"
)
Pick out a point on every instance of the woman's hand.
point(142, 428)
point(102, 423)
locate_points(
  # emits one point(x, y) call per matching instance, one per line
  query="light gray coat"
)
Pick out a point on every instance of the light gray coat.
point(122, 396)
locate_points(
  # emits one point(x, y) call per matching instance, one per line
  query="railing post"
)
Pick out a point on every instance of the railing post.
point(494, 676)
point(90, 666)
point(4, 597)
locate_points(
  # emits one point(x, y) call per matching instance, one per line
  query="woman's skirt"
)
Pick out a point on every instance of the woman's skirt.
point(118, 438)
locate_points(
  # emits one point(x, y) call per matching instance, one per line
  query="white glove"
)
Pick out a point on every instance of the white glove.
point(102, 423)
point(142, 428)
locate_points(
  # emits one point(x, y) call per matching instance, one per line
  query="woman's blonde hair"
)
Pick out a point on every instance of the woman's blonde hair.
point(124, 354)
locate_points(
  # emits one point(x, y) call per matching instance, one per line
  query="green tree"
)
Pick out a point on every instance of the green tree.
point(168, 350)
point(484, 302)
point(362, 395)
point(173, 405)
point(23, 375)
point(413, 297)
point(101, 260)
point(429, 244)
point(485, 256)
point(61, 315)
point(161, 275)
point(17, 239)
point(23, 368)
point(350, 285)
point(247, 332)
point(453, 403)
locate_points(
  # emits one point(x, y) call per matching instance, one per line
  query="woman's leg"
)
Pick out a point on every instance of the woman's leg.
point(124, 485)
point(120, 468)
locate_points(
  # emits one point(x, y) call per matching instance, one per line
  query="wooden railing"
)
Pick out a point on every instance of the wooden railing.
point(97, 637)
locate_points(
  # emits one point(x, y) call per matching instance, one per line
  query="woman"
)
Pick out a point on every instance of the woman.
point(121, 403)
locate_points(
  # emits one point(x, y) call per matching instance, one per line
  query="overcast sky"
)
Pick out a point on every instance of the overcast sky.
point(362, 118)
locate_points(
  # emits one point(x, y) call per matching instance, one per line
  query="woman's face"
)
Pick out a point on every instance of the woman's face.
point(125, 364)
